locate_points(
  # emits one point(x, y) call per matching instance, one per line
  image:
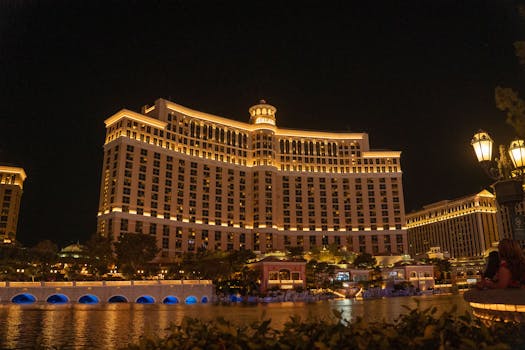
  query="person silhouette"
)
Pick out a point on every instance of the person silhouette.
point(492, 265)
point(511, 269)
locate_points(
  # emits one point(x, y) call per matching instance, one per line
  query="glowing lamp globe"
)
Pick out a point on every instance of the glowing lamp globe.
point(517, 153)
point(482, 144)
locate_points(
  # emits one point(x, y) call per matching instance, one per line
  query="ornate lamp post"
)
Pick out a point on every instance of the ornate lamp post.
point(508, 175)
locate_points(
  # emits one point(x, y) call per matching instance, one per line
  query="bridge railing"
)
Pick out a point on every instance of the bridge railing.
point(17, 284)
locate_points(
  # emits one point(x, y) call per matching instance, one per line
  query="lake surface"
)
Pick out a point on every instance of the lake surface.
point(111, 326)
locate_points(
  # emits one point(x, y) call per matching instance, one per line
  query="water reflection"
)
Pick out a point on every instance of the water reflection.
point(11, 334)
point(110, 326)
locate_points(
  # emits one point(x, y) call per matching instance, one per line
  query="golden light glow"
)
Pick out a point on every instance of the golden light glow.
point(499, 307)
point(125, 113)
point(249, 160)
point(13, 170)
point(482, 144)
point(381, 154)
point(208, 117)
point(446, 210)
point(12, 176)
point(517, 153)
point(264, 120)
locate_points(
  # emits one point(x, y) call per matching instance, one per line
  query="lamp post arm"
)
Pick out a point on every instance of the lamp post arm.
point(504, 163)
point(493, 169)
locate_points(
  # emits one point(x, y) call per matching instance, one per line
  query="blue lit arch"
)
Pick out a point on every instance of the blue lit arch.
point(191, 300)
point(170, 299)
point(145, 299)
point(24, 298)
point(235, 298)
point(57, 299)
point(88, 299)
point(117, 299)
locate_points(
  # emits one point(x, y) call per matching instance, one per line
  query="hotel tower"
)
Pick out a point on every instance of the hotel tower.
point(195, 180)
point(11, 185)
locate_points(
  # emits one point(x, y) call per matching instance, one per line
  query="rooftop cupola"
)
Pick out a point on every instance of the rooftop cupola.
point(262, 113)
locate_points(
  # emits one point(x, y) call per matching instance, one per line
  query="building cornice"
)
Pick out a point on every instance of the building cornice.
point(13, 170)
point(126, 113)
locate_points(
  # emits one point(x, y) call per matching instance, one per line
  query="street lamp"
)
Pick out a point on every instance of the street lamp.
point(508, 175)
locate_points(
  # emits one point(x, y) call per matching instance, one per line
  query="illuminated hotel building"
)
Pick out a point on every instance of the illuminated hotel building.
point(11, 185)
point(465, 227)
point(195, 180)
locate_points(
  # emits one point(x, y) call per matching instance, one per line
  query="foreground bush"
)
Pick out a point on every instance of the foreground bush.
point(417, 329)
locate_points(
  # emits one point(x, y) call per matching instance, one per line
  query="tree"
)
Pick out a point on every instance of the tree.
point(134, 250)
point(507, 99)
point(319, 274)
point(44, 256)
point(295, 252)
point(44, 251)
point(365, 260)
point(13, 259)
point(101, 254)
point(442, 268)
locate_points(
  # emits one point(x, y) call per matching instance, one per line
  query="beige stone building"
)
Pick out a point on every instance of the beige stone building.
point(464, 227)
point(11, 188)
point(196, 180)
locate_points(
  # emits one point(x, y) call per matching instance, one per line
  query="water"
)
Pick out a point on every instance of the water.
point(110, 326)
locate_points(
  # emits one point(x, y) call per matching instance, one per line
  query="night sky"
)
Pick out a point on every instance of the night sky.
point(418, 76)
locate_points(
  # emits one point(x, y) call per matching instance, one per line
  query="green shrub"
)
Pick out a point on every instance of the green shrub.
point(416, 329)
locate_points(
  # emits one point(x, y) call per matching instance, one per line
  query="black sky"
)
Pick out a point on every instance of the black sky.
point(418, 76)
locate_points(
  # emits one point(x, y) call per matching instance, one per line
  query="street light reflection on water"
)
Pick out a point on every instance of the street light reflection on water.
point(112, 326)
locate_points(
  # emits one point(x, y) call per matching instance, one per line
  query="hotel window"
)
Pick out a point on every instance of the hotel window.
point(152, 229)
point(124, 225)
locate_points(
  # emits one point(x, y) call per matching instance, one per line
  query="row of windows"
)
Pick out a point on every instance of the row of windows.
point(237, 142)
point(187, 194)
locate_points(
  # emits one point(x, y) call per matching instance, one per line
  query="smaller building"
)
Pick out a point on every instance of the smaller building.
point(281, 273)
point(463, 227)
point(74, 251)
point(352, 275)
point(434, 253)
point(465, 272)
point(419, 276)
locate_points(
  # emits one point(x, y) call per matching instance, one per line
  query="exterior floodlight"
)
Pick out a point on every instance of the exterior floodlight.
point(482, 144)
point(517, 153)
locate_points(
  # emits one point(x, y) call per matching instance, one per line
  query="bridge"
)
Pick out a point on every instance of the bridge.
point(95, 292)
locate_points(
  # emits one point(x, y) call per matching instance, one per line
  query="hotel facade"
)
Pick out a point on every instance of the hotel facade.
point(463, 227)
point(196, 180)
point(11, 189)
